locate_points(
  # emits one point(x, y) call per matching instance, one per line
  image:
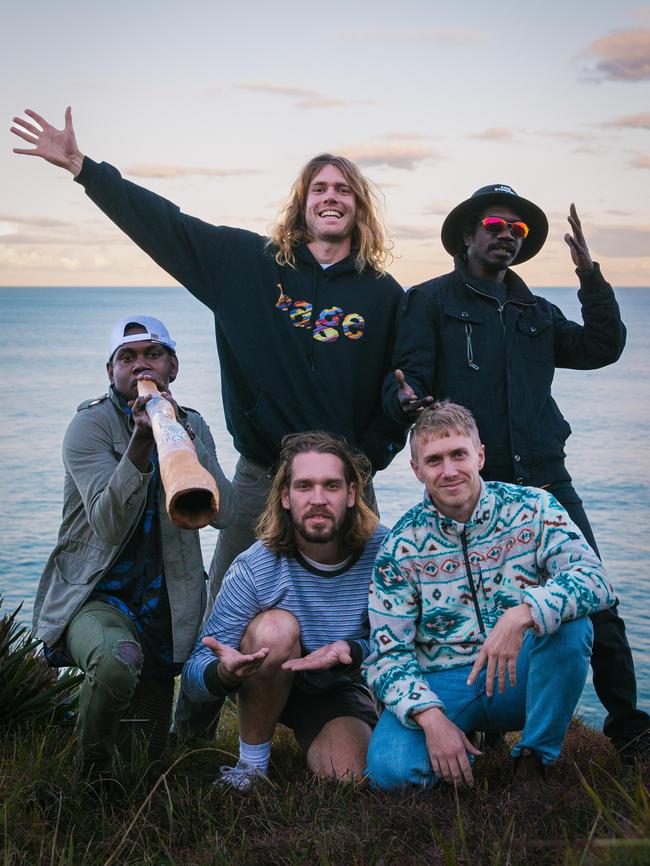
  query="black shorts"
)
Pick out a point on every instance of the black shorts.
point(307, 713)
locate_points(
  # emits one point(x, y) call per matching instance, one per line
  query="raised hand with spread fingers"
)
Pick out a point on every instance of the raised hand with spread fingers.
point(58, 146)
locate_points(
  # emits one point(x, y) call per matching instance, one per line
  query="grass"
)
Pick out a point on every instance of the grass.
point(592, 812)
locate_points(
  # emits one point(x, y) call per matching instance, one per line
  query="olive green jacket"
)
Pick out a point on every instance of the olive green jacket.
point(103, 499)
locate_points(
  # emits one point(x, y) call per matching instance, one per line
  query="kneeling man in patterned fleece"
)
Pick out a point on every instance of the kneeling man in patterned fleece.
point(289, 628)
point(479, 616)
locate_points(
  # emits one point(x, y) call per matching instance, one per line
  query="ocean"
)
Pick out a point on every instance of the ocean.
point(52, 356)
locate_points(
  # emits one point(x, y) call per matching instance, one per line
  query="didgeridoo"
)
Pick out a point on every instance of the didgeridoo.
point(192, 495)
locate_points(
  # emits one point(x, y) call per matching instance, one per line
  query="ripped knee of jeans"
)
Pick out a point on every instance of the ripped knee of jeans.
point(129, 653)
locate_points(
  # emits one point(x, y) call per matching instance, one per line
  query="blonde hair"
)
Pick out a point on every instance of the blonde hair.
point(369, 236)
point(442, 419)
point(275, 527)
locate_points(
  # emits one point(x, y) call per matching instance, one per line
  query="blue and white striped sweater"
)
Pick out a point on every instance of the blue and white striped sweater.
point(329, 606)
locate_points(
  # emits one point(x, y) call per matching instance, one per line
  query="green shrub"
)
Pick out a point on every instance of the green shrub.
point(29, 688)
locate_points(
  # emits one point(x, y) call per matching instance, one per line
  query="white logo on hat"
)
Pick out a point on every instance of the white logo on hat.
point(505, 189)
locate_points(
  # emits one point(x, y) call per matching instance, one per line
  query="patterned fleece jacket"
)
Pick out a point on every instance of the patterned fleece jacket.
point(439, 586)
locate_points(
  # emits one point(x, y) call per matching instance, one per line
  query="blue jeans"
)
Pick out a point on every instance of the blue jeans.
point(551, 673)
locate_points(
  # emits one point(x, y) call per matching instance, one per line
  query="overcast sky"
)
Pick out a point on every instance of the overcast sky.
point(216, 106)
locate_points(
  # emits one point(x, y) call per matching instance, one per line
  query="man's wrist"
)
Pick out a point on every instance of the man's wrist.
point(142, 434)
point(524, 615)
point(229, 681)
point(428, 716)
point(75, 164)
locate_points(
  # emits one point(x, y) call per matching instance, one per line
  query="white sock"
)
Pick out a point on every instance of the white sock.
point(256, 755)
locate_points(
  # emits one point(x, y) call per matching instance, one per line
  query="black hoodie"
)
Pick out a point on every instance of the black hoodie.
point(301, 348)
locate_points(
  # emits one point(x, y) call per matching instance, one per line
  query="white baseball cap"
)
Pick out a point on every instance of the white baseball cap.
point(154, 331)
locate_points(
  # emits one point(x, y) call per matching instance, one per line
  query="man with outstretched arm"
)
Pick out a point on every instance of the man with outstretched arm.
point(122, 594)
point(478, 336)
point(479, 616)
point(289, 628)
point(304, 320)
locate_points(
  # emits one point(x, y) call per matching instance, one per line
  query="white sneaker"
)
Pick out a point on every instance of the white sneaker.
point(242, 776)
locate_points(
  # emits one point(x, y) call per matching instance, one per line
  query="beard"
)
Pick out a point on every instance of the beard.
point(322, 534)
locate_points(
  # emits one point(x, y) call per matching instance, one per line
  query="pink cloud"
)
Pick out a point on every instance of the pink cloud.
point(622, 56)
point(174, 171)
point(641, 161)
point(582, 137)
point(434, 35)
point(405, 136)
point(324, 102)
point(632, 121)
point(413, 233)
point(279, 90)
point(396, 156)
point(494, 133)
point(307, 99)
point(37, 221)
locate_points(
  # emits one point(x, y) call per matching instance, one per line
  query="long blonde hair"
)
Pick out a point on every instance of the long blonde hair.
point(369, 237)
point(275, 527)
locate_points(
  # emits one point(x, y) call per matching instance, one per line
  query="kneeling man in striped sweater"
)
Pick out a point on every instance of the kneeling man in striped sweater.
point(289, 628)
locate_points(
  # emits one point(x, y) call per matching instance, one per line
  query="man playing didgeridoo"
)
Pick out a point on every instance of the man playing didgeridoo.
point(122, 594)
point(304, 320)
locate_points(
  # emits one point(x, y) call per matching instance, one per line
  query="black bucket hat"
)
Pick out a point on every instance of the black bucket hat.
point(496, 193)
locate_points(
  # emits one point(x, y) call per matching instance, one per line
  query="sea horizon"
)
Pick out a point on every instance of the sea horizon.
point(52, 356)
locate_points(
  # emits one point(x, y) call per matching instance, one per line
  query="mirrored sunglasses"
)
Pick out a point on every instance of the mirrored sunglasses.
point(496, 225)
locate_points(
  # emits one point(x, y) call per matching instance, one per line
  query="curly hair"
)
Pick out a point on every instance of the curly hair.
point(275, 527)
point(369, 237)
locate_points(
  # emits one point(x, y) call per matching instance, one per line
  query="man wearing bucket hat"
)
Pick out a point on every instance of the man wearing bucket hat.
point(123, 592)
point(479, 337)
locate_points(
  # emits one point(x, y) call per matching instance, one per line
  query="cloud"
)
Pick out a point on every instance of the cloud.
point(405, 136)
point(307, 99)
point(279, 90)
point(395, 156)
point(437, 208)
point(174, 171)
point(631, 121)
point(413, 233)
point(616, 212)
point(582, 137)
point(641, 161)
point(494, 133)
point(433, 35)
point(324, 102)
point(621, 56)
point(620, 241)
point(72, 238)
point(36, 221)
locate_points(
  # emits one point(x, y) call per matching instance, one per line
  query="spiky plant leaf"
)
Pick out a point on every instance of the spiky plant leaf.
point(28, 686)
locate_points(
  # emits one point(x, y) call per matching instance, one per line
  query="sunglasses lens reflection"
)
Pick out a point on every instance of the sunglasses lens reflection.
point(496, 225)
